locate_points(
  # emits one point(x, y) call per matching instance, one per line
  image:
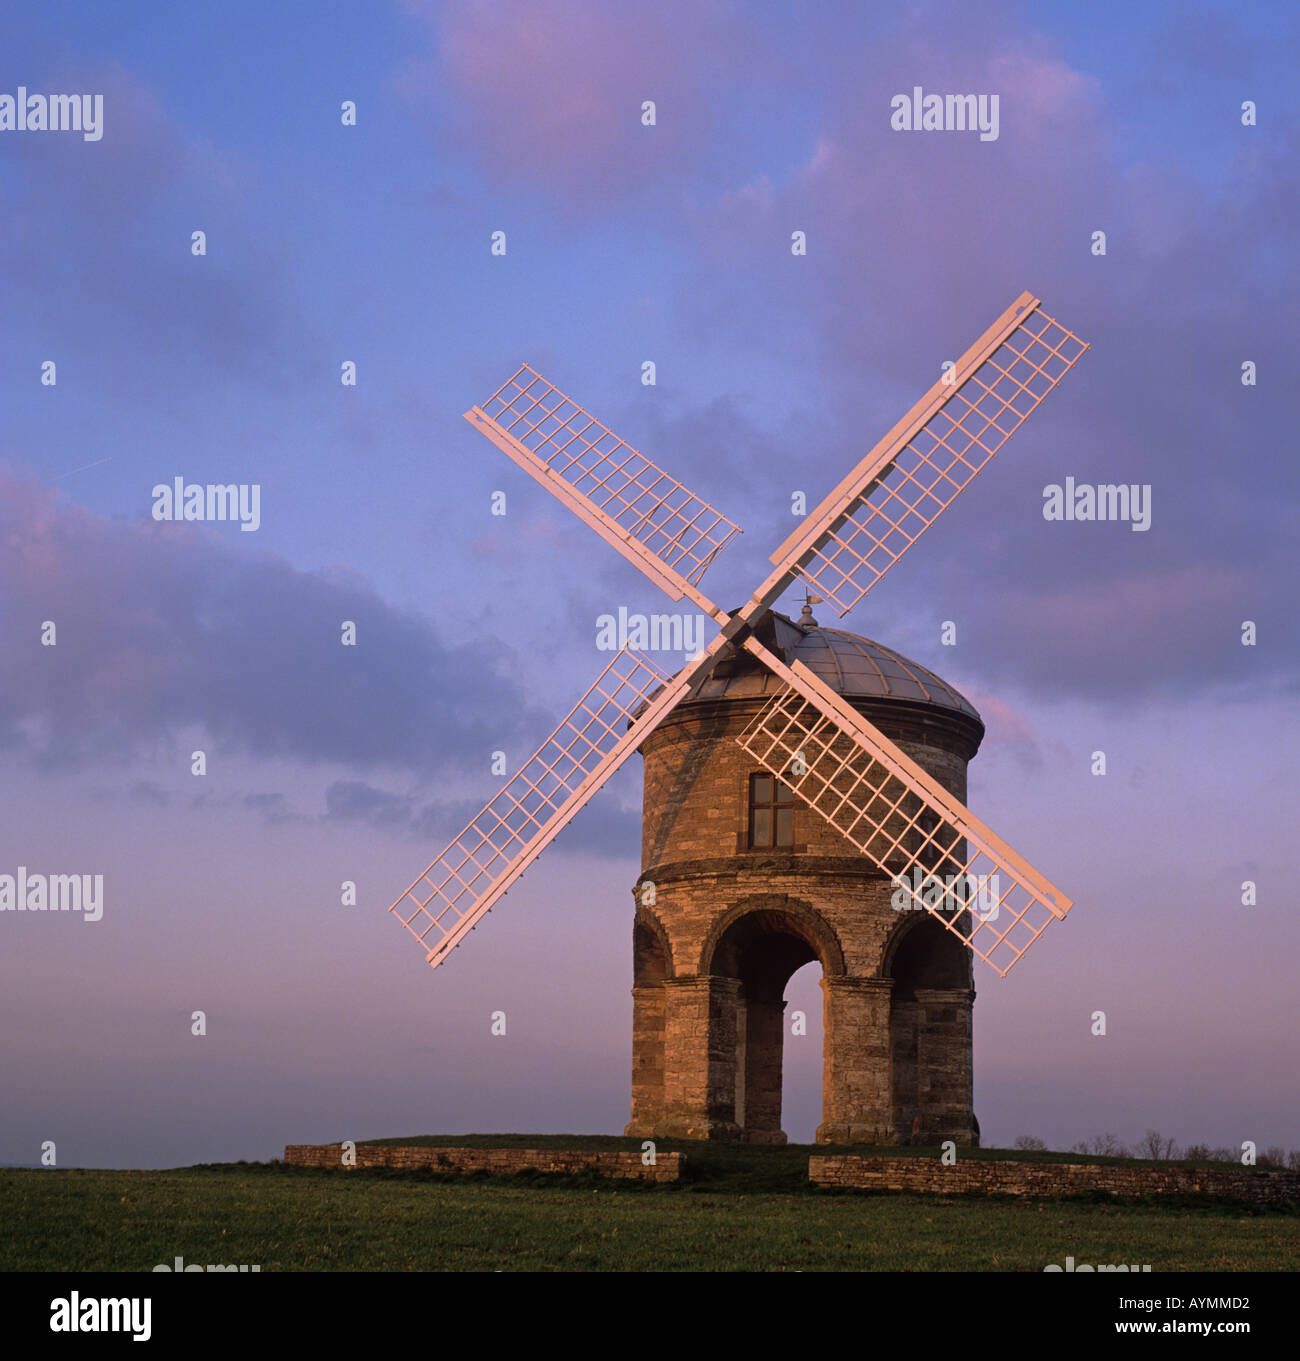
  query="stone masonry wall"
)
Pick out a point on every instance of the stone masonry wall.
point(1049, 1179)
point(499, 1161)
point(697, 780)
point(707, 1060)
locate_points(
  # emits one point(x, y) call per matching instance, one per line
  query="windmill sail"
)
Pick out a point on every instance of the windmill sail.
point(936, 851)
point(838, 763)
point(580, 756)
point(923, 464)
point(648, 516)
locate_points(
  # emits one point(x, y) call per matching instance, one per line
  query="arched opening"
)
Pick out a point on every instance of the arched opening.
point(929, 1029)
point(763, 949)
point(804, 1065)
point(649, 954)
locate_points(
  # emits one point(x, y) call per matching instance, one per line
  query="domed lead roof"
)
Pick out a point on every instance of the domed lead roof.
point(851, 665)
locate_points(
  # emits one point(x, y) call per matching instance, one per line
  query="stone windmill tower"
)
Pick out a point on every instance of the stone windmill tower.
point(804, 787)
point(742, 884)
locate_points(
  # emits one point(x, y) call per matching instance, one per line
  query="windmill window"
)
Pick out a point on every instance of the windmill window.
point(771, 812)
point(927, 851)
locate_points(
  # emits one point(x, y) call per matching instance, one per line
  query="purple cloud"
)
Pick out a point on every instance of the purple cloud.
point(163, 627)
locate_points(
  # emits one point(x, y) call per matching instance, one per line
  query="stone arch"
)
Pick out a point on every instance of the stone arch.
point(749, 956)
point(922, 950)
point(793, 915)
point(652, 950)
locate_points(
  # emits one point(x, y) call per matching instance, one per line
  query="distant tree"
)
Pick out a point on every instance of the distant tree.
point(1273, 1157)
point(1029, 1143)
point(1102, 1146)
point(1197, 1153)
point(1293, 1160)
point(1224, 1155)
point(1153, 1144)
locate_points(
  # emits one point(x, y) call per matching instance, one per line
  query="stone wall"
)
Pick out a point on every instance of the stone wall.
point(696, 796)
point(499, 1161)
point(1049, 1179)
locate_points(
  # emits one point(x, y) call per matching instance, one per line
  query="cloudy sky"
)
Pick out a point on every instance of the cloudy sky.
point(371, 244)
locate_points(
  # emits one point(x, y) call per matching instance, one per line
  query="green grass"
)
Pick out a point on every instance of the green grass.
point(743, 1208)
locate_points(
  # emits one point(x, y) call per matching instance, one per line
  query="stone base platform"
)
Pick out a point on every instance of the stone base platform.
point(1050, 1180)
point(503, 1162)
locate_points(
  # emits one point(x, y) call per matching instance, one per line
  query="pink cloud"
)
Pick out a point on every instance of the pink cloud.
point(1004, 724)
point(957, 226)
point(1150, 604)
point(1043, 85)
point(549, 93)
point(502, 545)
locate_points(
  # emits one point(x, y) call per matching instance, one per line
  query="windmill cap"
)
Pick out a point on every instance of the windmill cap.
point(851, 665)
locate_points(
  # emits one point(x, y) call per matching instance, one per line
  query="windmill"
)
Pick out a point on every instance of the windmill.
point(835, 761)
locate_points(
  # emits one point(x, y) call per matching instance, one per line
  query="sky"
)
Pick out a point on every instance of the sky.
point(328, 242)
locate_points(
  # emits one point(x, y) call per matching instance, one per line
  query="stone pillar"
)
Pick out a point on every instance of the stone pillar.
point(700, 1058)
point(760, 1116)
point(647, 1059)
point(856, 1082)
point(904, 1018)
point(945, 1093)
point(742, 1058)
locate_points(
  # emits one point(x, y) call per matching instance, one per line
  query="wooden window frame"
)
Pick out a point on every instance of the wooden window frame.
point(772, 807)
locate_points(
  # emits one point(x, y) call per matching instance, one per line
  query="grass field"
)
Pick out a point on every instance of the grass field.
point(742, 1209)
